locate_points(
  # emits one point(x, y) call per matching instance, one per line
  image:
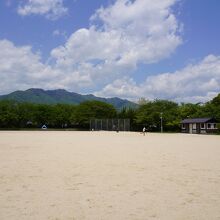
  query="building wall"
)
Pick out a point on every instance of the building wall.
point(186, 129)
point(196, 128)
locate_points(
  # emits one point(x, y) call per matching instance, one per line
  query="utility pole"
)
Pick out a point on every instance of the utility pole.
point(161, 122)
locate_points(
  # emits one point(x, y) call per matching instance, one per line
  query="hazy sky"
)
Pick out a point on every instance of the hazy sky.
point(165, 49)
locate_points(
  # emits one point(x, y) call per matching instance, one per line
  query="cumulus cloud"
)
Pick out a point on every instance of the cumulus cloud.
point(51, 9)
point(194, 83)
point(124, 87)
point(104, 56)
point(21, 68)
point(120, 37)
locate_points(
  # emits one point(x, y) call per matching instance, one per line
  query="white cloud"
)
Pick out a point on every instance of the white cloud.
point(194, 83)
point(106, 54)
point(120, 37)
point(51, 9)
point(125, 87)
point(59, 33)
point(21, 68)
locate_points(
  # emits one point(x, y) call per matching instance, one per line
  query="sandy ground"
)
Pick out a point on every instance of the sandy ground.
point(109, 176)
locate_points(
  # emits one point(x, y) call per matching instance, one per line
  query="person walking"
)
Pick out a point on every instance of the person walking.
point(144, 130)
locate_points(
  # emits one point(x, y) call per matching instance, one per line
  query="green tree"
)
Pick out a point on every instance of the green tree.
point(129, 113)
point(43, 115)
point(190, 110)
point(61, 115)
point(91, 110)
point(8, 114)
point(149, 115)
point(215, 107)
point(26, 113)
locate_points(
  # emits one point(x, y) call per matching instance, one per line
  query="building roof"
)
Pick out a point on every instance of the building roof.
point(196, 120)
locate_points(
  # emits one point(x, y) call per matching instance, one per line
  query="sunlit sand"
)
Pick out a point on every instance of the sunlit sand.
point(68, 175)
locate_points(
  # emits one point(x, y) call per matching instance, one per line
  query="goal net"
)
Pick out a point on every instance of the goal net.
point(110, 124)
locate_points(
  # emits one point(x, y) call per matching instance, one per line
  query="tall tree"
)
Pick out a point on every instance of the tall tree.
point(93, 109)
point(149, 114)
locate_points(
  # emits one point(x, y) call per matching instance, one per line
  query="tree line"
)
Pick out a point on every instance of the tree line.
point(15, 115)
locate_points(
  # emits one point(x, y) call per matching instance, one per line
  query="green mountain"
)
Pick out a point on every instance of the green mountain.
point(61, 96)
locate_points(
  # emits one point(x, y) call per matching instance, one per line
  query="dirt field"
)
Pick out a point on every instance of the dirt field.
point(49, 175)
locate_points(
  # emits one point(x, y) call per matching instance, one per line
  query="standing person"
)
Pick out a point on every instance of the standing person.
point(144, 130)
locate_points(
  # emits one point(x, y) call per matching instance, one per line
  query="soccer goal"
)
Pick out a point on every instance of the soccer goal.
point(110, 124)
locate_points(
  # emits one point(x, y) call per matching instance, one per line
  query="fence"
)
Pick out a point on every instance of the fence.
point(110, 124)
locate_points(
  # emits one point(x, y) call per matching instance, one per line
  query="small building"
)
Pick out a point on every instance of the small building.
point(199, 125)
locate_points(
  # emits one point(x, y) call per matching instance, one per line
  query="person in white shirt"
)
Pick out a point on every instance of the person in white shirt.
point(144, 130)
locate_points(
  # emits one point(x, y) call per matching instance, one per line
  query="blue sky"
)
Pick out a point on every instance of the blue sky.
point(166, 49)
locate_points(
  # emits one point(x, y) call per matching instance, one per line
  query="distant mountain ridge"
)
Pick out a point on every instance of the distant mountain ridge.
point(41, 96)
